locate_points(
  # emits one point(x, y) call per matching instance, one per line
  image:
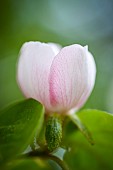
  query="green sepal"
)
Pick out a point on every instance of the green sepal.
point(53, 133)
point(83, 129)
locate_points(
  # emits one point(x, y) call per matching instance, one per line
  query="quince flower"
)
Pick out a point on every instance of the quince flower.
point(61, 79)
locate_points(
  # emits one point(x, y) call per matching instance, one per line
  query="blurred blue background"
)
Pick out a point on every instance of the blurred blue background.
point(65, 22)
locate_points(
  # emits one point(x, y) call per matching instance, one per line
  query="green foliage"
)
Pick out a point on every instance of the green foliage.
point(30, 164)
point(19, 124)
point(84, 156)
point(75, 119)
point(53, 132)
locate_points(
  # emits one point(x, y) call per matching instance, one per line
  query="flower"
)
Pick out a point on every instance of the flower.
point(61, 79)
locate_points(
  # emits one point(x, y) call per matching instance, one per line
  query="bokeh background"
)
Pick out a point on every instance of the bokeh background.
point(88, 22)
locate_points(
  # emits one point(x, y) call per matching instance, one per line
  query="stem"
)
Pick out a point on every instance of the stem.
point(59, 162)
point(46, 155)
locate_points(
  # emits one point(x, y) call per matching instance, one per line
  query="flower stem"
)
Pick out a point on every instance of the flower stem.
point(46, 155)
point(59, 162)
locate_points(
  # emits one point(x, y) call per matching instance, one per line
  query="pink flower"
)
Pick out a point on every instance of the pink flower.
point(61, 79)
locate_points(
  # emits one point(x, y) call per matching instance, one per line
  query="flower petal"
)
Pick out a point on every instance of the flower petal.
point(91, 78)
point(56, 47)
point(68, 77)
point(33, 71)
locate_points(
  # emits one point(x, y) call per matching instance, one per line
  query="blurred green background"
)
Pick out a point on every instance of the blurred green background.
point(88, 22)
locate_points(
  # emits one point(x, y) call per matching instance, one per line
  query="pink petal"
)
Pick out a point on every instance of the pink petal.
point(91, 78)
point(68, 77)
point(33, 71)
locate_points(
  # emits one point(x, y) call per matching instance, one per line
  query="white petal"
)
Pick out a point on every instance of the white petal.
point(33, 71)
point(91, 70)
point(68, 77)
point(56, 47)
point(91, 79)
point(86, 48)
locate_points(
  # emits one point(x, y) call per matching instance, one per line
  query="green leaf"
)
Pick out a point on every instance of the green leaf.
point(75, 119)
point(37, 164)
point(82, 155)
point(18, 125)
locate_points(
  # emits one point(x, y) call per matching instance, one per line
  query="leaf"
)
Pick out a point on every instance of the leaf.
point(82, 155)
point(75, 119)
point(37, 164)
point(18, 125)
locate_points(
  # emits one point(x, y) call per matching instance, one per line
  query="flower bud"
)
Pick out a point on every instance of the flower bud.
point(61, 79)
